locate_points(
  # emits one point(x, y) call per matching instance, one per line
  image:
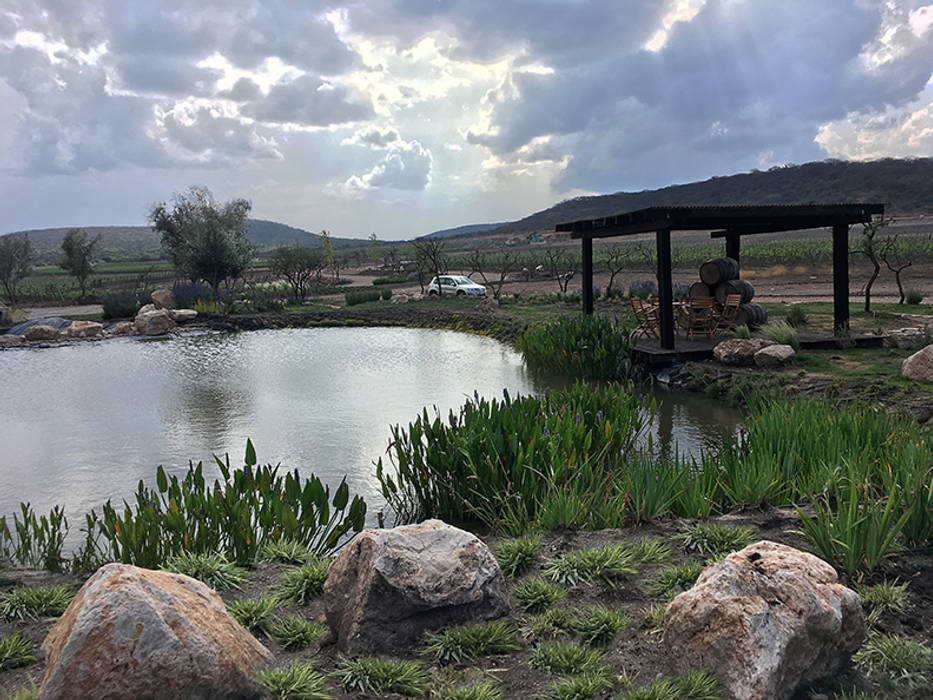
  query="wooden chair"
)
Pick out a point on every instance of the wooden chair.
point(699, 316)
point(728, 315)
point(646, 315)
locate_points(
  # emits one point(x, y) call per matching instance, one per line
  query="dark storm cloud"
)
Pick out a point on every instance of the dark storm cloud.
point(310, 101)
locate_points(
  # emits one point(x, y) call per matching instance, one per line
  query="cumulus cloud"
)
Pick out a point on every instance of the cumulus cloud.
point(373, 137)
point(310, 101)
point(406, 166)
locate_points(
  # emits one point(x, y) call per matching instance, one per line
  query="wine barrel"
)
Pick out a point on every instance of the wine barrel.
point(700, 290)
point(742, 287)
point(751, 315)
point(719, 270)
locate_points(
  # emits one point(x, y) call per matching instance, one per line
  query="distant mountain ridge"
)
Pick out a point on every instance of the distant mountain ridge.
point(905, 186)
point(462, 230)
point(119, 243)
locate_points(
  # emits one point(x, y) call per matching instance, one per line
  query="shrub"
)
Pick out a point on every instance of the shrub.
point(32, 603)
point(897, 661)
point(296, 633)
point(677, 578)
point(305, 583)
point(782, 333)
point(536, 595)
point(297, 682)
point(714, 539)
point(120, 304)
point(455, 644)
point(742, 331)
point(913, 296)
point(565, 658)
point(253, 613)
point(15, 651)
point(609, 563)
point(362, 296)
point(796, 316)
point(209, 568)
point(589, 347)
point(516, 556)
point(376, 676)
point(584, 687)
point(391, 279)
point(187, 294)
point(643, 290)
point(598, 625)
point(386, 294)
point(287, 551)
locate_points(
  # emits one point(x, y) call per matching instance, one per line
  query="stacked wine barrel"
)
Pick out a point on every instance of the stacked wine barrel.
point(719, 278)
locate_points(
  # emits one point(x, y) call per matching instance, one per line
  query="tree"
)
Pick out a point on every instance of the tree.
point(617, 259)
point(872, 247)
point(205, 239)
point(507, 263)
point(299, 266)
point(429, 257)
point(558, 262)
point(78, 250)
point(15, 262)
point(329, 255)
point(896, 263)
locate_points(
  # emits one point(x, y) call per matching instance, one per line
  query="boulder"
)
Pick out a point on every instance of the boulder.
point(40, 333)
point(123, 328)
point(739, 351)
point(136, 634)
point(146, 309)
point(163, 299)
point(907, 338)
point(388, 587)
point(919, 365)
point(8, 340)
point(183, 315)
point(85, 329)
point(774, 356)
point(154, 322)
point(765, 620)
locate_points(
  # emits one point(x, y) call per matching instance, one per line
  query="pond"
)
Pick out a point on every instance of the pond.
point(83, 423)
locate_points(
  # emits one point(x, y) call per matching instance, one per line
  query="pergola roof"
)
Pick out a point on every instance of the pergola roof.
point(739, 219)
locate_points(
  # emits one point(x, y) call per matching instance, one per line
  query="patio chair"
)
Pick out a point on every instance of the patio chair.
point(646, 315)
point(699, 316)
point(728, 315)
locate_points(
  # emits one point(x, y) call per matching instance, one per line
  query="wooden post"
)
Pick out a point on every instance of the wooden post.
point(665, 291)
point(733, 243)
point(840, 278)
point(587, 276)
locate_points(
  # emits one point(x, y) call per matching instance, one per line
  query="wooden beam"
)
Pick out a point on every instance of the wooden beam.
point(665, 288)
point(840, 278)
point(588, 276)
point(733, 245)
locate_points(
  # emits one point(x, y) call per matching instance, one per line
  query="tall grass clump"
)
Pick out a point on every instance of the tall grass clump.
point(297, 682)
point(796, 316)
point(35, 602)
point(497, 461)
point(377, 676)
point(588, 347)
point(362, 296)
point(16, 650)
point(782, 333)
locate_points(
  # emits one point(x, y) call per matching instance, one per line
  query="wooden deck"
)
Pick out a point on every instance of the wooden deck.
point(649, 350)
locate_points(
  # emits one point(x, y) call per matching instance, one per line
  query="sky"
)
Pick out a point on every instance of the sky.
point(400, 117)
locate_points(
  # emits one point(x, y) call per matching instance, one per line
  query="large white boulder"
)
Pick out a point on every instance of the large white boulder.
point(42, 333)
point(85, 329)
point(183, 315)
point(132, 633)
point(154, 322)
point(765, 620)
point(163, 299)
point(739, 351)
point(919, 365)
point(774, 356)
point(8, 340)
point(388, 587)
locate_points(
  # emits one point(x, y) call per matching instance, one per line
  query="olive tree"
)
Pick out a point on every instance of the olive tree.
point(299, 266)
point(15, 262)
point(205, 239)
point(78, 256)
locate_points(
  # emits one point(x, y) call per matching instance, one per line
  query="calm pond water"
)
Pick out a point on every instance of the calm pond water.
point(82, 424)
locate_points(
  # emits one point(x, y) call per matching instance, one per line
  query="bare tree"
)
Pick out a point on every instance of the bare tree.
point(430, 258)
point(479, 264)
point(891, 255)
point(617, 259)
point(872, 246)
point(560, 264)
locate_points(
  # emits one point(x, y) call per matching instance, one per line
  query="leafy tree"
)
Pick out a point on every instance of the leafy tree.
point(15, 262)
point(78, 249)
point(299, 266)
point(205, 239)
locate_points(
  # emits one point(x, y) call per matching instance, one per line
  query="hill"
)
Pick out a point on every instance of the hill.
point(123, 243)
point(904, 185)
point(462, 230)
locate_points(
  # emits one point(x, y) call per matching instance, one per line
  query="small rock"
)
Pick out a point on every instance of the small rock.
point(919, 366)
point(154, 322)
point(183, 315)
point(774, 356)
point(388, 587)
point(85, 329)
point(739, 351)
point(163, 299)
point(134, 634)
point(765, 620)
point(40, 333)
point(8, 340)
point(123, 328)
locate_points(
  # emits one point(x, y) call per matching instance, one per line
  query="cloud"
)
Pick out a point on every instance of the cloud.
point(310, 101)
point(406, 166)
point(212, 138)
point(243, 90)
point(373, 137)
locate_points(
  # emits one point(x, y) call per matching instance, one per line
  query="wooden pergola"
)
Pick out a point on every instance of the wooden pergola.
point(730, 223)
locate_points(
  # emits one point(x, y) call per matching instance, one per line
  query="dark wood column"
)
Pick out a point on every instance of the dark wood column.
point(587, 276)
point(840, 278)
point(733, 243)
point(665, 295)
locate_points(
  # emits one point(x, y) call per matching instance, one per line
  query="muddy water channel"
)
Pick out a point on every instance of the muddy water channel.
point(82, 424)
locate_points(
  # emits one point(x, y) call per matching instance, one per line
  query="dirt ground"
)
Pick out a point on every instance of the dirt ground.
point(637, 654)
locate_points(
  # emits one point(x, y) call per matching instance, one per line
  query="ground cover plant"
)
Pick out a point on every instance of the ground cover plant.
point(209, 568)
point(34, 602)
point(307, 581)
